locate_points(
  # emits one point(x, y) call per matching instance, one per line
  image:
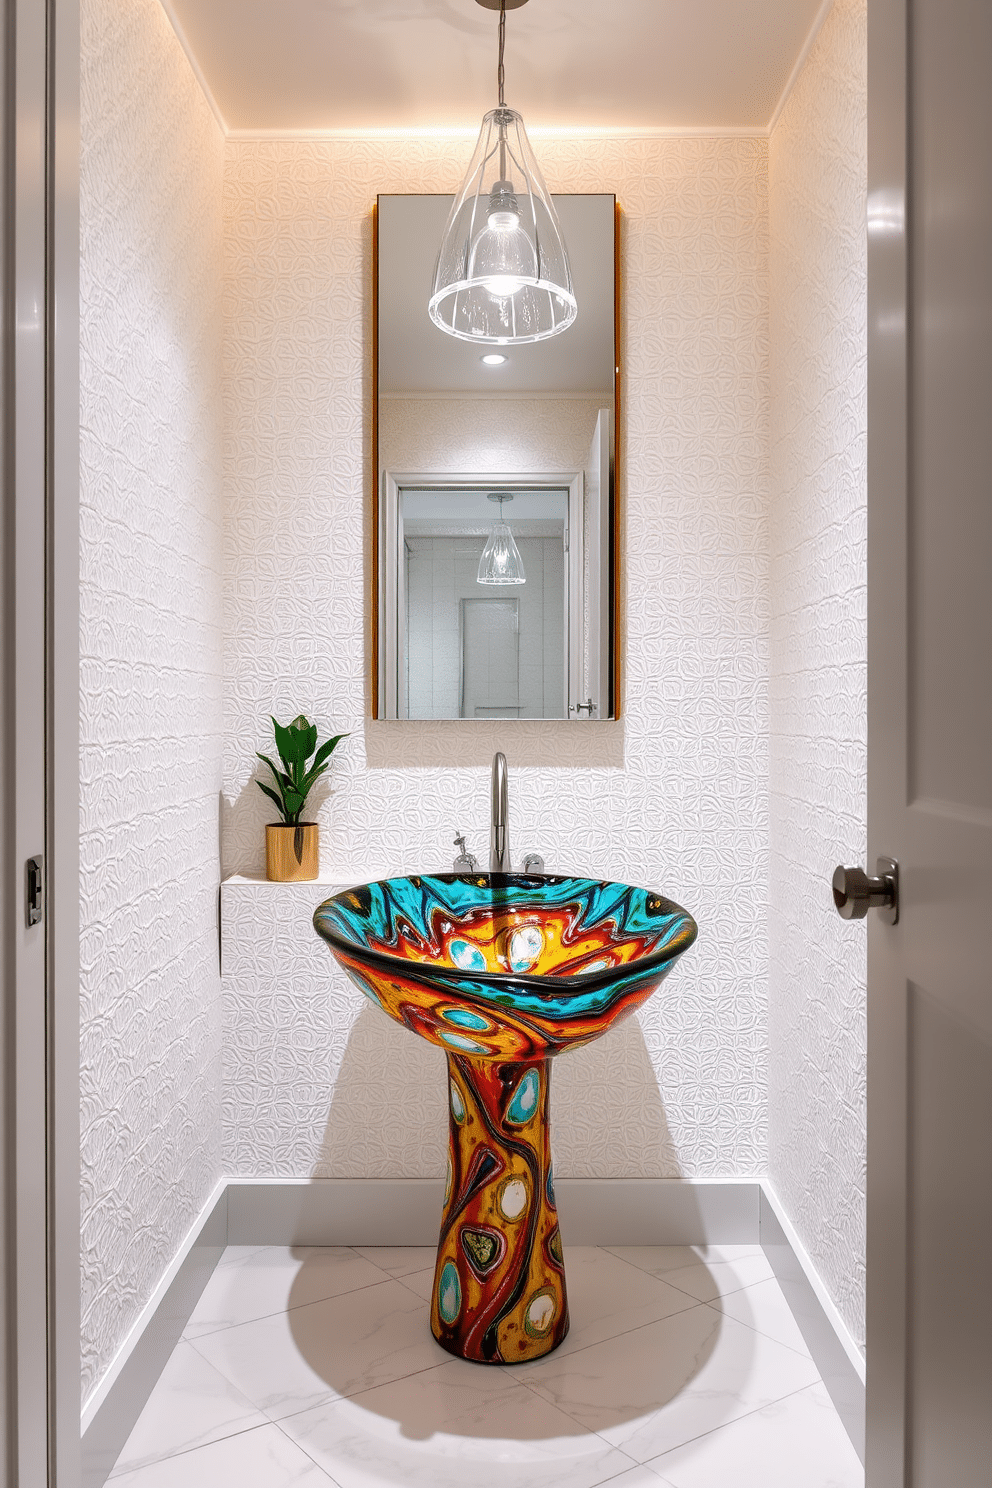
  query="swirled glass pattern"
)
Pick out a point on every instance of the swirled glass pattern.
point(505, 965)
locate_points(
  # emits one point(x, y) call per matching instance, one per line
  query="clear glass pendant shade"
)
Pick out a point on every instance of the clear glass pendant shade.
point(502, 274)
point(501, 562)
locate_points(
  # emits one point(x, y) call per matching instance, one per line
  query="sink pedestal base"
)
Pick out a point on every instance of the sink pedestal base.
point(499, 1285)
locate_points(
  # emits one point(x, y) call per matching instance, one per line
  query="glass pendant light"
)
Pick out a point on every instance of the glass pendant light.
point(501, 562)
point(502, 272)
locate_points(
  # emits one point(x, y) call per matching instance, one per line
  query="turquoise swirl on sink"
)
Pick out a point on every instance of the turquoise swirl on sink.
point(505, 963)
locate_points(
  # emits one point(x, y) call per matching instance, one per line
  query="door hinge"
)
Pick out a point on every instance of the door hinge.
point(34, 899)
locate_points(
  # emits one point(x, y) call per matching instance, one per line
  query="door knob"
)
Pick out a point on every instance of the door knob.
point(855, 893)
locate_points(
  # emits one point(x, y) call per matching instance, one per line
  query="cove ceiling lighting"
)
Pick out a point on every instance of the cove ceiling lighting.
point(502, 273)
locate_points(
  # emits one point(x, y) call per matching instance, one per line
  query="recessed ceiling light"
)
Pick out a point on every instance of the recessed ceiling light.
point(493, 359)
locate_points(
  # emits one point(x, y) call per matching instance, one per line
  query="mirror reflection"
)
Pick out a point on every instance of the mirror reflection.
point(484, 609)
point(495, 513)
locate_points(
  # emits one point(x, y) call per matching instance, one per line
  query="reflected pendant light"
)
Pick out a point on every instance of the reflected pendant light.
point(502, 273)
point(501, 562)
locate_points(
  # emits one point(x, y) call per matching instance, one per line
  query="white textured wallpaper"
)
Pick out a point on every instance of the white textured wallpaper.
point(817, 801)
point(674, 795)
point(151, 188)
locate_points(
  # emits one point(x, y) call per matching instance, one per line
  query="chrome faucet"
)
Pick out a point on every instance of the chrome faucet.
point(499, 832)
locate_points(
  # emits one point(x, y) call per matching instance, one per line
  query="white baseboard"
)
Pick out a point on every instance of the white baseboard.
point(115, 1405)
point(835, 1353)
point(823, 1298)
point(334, 1211)
point(658, 1211)
point(406, 1211)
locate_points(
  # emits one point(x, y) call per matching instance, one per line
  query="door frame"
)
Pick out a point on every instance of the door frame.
point(62, 739)
point(392, 600)
point(40, 753)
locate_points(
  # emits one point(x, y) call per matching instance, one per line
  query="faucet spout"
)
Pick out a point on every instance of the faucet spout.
point(499, 832)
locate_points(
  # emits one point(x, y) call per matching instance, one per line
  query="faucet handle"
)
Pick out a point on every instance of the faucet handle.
point(465, 862)
point(532, 863)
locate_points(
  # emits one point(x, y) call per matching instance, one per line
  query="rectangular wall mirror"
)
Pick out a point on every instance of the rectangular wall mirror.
point(495, 515)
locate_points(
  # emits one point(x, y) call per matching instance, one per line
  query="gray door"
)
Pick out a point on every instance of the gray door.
point(929, 1349)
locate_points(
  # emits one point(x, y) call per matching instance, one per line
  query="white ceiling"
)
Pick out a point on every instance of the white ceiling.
point(427, 64)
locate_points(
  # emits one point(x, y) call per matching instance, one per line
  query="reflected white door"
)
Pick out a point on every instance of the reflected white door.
point(930, 743)
point(490, 658)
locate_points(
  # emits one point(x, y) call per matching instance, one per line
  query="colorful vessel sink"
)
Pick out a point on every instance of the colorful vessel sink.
point(502, 971)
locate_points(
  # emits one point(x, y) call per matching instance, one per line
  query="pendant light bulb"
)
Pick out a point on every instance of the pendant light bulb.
point(501, 562)
point(502, 272)
point(502, 258)
point(504, 211)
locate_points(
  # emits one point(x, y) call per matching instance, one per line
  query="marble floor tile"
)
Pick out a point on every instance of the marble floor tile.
point(399, 1260)
point(340, 1385)
point(704, 1272)
point(607, 1297)
point(763, 1307)
point(275, 1278)
point(298, 1359)
point(658, 1386)
point(233, 1254)
point(641, 1476)
point(661, 1258)
point(460, 1424)
point(798, 1442)
point(191, 1404)
point(263, 1458)
point(421, 1283)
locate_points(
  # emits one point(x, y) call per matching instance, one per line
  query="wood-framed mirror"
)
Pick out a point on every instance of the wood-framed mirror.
point(464, 448)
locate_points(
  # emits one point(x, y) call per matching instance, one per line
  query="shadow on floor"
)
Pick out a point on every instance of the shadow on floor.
point(635, 1346)
point(636, 1343)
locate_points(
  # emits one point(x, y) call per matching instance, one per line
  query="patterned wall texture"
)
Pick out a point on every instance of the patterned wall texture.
point(673, 795)
point(818, 704)
point(151, 657)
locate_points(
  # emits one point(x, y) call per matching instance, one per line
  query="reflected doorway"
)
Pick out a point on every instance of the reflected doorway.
point(475, 646)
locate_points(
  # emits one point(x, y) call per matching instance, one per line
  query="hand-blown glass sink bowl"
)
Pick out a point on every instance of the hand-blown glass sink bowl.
point(503, 971)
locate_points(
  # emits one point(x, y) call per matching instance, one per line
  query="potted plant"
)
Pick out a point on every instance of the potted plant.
point(292, 847)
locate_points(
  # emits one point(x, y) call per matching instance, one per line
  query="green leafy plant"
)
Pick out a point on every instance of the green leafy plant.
point(295, 744)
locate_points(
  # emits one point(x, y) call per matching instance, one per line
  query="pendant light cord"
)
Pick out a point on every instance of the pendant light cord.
point(500, 74)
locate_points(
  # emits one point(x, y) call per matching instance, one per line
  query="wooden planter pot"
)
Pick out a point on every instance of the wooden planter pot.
point(292, 854)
